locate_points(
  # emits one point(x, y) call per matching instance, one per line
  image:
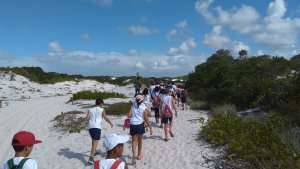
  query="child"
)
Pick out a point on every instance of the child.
point(94, 117)
point(114, 146)
point(22, 143)
point(138, 114)
point(167, 107)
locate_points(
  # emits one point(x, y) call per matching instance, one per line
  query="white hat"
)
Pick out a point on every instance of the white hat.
point(113, 139)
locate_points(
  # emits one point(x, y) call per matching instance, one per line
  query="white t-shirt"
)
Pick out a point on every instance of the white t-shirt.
point(137, 114)
point(107, 163)
point(167, 100)
point(95, 117)
point(29, 164)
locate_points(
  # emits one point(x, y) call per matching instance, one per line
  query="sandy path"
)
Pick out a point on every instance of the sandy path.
point(64, 151)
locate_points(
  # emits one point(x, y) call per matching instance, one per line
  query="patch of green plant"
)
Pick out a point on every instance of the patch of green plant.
point(253, 141)
point(197, 104)
point(118, 108)
point(69, 122)
point(224, 109)
point(87, 94)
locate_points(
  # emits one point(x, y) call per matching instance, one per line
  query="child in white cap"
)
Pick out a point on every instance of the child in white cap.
point(114, 146)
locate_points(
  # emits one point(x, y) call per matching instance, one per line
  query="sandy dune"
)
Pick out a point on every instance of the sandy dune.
point(31, 106)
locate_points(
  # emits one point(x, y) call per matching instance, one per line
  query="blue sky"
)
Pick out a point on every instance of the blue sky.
point(152, 37)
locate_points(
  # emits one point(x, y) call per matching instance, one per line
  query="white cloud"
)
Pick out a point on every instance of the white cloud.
point(142, 30)
point(103, 3)
point(215, 39)
point(85, 36)
point(133, 52)
point(184, 48)
point(273, 30)
point(182, 25)
point(55, 47)
point(140, 65)
point(238, 46)
point(178, 31)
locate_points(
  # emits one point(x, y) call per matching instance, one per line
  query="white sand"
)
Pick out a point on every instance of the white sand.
point(31, 106)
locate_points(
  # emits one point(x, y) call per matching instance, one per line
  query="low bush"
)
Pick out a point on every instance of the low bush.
point(228, 109)
point(253, 141)
point(69, 122)
point(118, 108)
point(87, 94)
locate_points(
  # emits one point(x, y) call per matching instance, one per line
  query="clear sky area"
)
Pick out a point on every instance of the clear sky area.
point(152, 37)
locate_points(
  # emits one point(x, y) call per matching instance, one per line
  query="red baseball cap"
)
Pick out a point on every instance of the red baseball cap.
point(24, 138)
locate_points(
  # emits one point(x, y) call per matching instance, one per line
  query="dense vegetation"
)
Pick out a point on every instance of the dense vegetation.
point(92, 95)
point(269, 83)
point(36, 74)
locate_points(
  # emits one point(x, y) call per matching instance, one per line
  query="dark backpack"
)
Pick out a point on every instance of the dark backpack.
point(11, 164)
point(183, 94)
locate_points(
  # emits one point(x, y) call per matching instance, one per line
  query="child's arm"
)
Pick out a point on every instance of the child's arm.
point(146, 119)
point(174, 106)
point(87, 117)
point(129, 114)
point(106, 118)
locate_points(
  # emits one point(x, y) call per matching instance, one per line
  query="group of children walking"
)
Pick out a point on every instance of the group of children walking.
point(161, 99)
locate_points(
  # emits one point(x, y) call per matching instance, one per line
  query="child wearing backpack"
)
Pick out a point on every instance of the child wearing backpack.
point(167, 107)
point(22, 143)
point(114, 146)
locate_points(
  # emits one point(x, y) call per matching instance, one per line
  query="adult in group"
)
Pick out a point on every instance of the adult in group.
point(137, 86)
point(156, 103)
point(22, 143)
point(94, 118)
point(138, 114)
point(167, 107)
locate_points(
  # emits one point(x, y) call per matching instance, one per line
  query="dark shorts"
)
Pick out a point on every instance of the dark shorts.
point(95, 133)
point(167, 120)
point(183, 99)
point(137, 129)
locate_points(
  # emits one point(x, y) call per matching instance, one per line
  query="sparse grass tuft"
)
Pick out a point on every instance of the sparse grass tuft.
point(69, 122)
point(198, 105)
point(87, 94)
point(226, 109)
point(118, 108)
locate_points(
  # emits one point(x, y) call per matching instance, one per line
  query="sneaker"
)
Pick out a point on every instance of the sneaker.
point(133, 161)
point(97, 153)
point(91, 161)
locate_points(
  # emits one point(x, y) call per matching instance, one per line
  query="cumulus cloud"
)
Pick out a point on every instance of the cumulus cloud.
point(133, 52)
point(139, 65)
point(178, 31)
point(103, 3)
point(184, 48)
point(273, 31)
point(215, 39)
point(85, 36)
point(142, 30)
point(56, 47)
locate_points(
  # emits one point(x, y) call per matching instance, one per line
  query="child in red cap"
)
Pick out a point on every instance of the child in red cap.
point(22, 143)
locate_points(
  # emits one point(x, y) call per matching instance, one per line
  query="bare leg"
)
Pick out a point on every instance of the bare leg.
point(166, 132)
point(94, 147)
point(140, 144)
point(134, 143)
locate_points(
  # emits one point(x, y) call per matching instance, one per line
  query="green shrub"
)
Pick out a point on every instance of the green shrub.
point(228, 109)
point(87, 94)
point(197, 105)
point(253, 141)
point(69, 122)
point(118, 108)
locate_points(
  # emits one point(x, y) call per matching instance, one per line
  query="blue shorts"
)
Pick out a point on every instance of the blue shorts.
point(137, 129)
point(167, 120)
point(95, 133)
